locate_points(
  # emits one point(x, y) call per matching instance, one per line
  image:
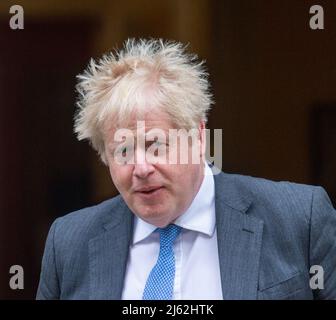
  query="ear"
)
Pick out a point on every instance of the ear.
point(202, 138)
point(103, 158)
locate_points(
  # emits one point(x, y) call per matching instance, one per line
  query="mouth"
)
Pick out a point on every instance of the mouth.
point(149, 191)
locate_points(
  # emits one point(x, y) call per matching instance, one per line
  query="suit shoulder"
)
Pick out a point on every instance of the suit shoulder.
point(287, 197)
point(85, 223)
point(266, 186)
point(92, 212)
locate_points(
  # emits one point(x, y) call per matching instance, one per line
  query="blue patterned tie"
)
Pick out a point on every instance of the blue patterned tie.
point(160, 282)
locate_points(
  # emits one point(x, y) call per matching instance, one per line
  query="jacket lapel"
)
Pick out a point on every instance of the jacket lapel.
point(108, 254)
point(239, 239)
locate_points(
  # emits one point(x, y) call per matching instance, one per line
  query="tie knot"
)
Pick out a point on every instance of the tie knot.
point(169, 234)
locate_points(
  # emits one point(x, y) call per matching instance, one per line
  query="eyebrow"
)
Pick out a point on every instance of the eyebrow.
point(157, 137)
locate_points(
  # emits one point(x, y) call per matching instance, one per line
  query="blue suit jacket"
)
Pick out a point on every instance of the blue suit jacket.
point(269, 235)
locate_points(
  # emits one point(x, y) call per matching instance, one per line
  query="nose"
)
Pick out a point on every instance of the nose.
point(142, 168)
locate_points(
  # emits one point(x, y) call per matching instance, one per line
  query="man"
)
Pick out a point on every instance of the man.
point(176, 231)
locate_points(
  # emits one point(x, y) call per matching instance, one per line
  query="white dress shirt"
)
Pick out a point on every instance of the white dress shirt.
point(197, 273)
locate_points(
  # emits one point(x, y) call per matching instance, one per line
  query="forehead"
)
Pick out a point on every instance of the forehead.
point(153, 119)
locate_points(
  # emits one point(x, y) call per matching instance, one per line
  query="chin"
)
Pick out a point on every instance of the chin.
point(158, 218)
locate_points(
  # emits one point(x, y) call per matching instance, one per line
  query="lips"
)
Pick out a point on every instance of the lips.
point(150, 194)
point(148, 189)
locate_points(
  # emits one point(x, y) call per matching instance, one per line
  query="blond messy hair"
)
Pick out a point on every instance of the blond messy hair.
point(143, 76)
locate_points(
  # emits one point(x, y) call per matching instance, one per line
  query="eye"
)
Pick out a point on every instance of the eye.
point(158, 143)
point(123, 150)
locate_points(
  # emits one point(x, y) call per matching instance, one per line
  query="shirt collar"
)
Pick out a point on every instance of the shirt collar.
point(200, 216)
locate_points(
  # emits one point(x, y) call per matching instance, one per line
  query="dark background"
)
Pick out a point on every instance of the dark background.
point(273, 79)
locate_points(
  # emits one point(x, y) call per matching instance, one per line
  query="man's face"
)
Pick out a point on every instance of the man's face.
point(156, 192)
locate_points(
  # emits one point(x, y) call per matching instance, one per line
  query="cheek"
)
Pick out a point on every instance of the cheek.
point(121, 177)
point(179, 181)
point(185, 179)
